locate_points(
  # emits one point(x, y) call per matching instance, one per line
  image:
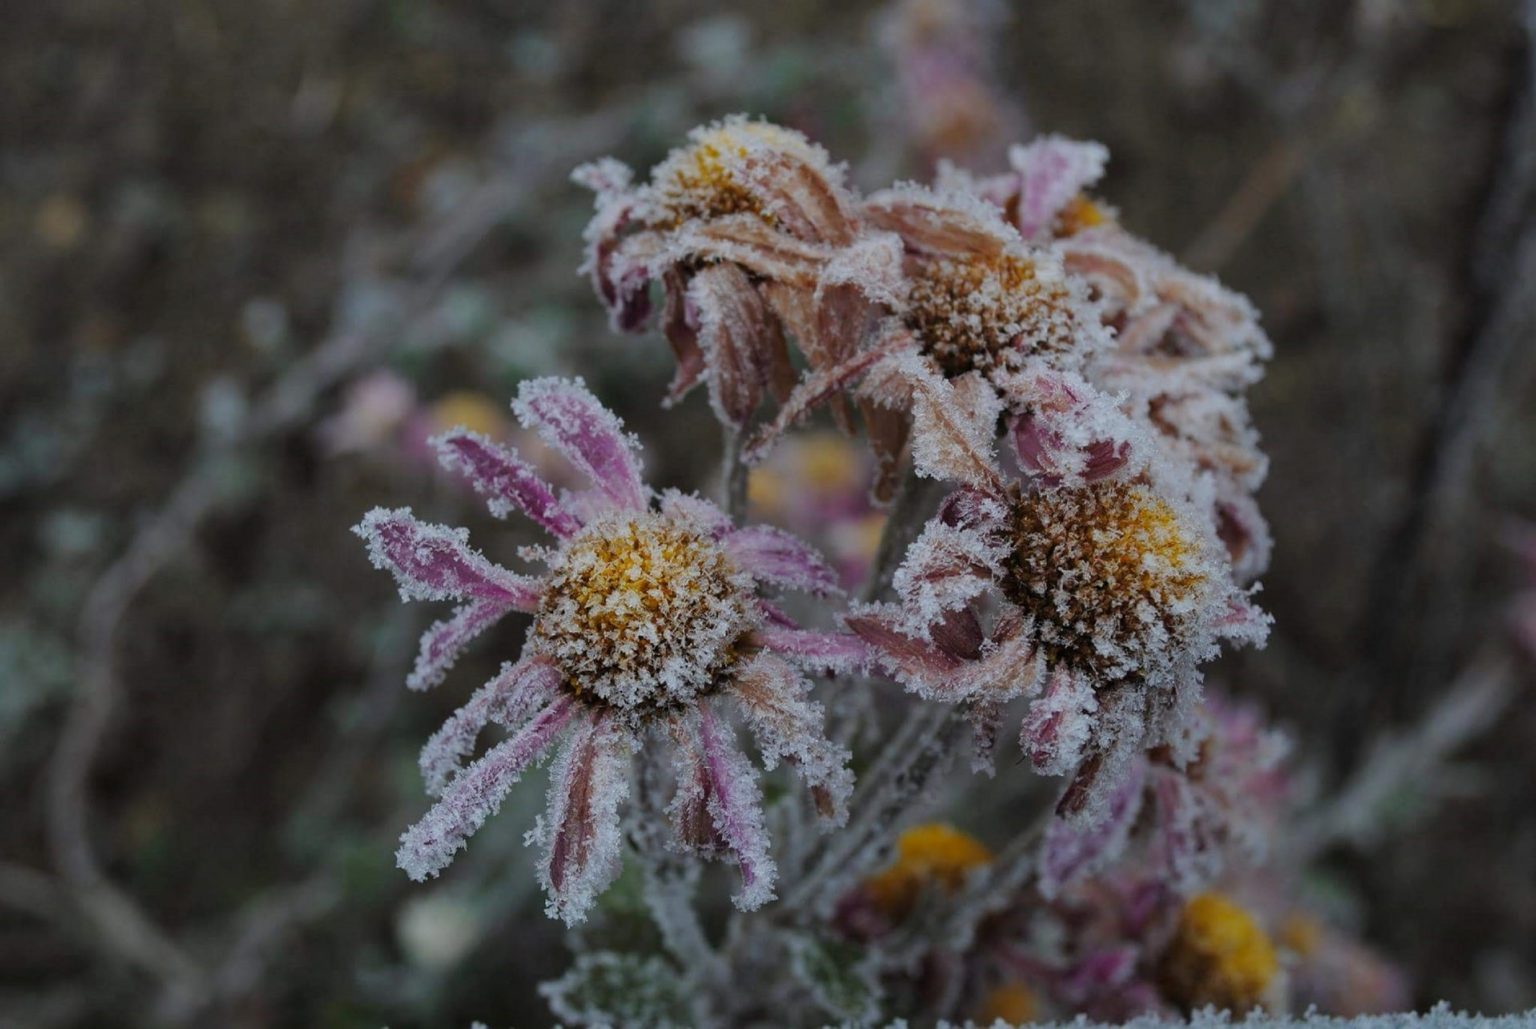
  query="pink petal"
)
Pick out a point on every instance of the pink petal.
point(1060, 723)
point(518, 691)
point(736, 808)
point(1071, 432)
point(814, 649)
point(445, 640)
point(774, 556)
point(1071, 851)
point(504, 479)
point(581, 829)
point(915, 663)
point(434, 562)
point(427, 847)
point(570, 419)
point(1052, 171)
point(788, 726)
point(620, 284)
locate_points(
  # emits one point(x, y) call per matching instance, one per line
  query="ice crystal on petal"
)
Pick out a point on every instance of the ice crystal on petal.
point(570, 419)
point(505, 480)
point(775, 556)
point(581, 837)
point(1060, 723)
point(509, 699)
point(736, 807)
point(476, 794)
point(435, 562)
point(785, 723)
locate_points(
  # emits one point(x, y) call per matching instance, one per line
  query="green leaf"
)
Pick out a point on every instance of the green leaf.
point(605, 988)
point(839, 977)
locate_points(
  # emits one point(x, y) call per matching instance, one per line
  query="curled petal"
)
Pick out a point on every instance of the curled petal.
point(1060, 723)
point(581, 829)
point(446, 639)
point(1071, 433)
point(775, 556)
point(517, 692)
point(680, 327)
point(475, 794)
point(736, 809)
point(1051, 171)
point(945, 568)
point(1010, 666)
point(954, 423)
point(570, 419)
point(504, 479)
point(742, 344)
point(435, 562)
point(799, 187)
point(620, 284)
point(789, 727)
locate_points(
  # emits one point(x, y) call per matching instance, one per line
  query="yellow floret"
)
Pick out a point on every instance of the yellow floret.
point(1219, 956)
point(1079, 215)
point(696, 181)
point(473, 411)
point(1014, 1003)
point(932, 854)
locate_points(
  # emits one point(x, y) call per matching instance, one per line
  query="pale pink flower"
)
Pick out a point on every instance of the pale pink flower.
point(647, 621)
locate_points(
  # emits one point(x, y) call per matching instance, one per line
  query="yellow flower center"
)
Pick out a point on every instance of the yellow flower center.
point(973, 313)
point(1110, 572)
point(1218, 956)
point(697, 181)
point(934, 854)
point(643, 613)
point(1014, 1003)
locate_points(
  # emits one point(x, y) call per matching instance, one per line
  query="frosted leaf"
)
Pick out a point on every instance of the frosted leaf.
point(772, 555)
point(1060, 723)
point(580, 832)
point(841, 976)
point(954, 424)
point(475, 794)
point(510, 698)
point(1051, 171)
point(789, 726)
point(571, 420)
point(435, 562)
point(1071, 851)
point(736, 807)
point(504, 479)
point(604, 989)
point(831, 652)
point(446, 639)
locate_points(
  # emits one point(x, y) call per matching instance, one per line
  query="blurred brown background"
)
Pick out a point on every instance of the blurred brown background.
point(221, 219)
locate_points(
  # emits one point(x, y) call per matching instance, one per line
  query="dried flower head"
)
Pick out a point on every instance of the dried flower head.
point(1219, 956)
point(648, 617)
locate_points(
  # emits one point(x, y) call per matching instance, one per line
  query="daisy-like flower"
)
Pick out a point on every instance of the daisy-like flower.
point(648, 619)
point(1105, 593)
point(1184, 346)
point(754, 237)
point(979, 303)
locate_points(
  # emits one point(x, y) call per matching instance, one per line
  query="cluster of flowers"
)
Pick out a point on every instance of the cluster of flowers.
point(1142, 937)
point(1077, 393)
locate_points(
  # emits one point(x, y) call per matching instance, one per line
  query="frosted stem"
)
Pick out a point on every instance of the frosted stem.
point(915, 499)
point(733, 472)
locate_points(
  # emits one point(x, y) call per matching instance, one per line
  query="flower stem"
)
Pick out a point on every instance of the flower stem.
point(733, 472)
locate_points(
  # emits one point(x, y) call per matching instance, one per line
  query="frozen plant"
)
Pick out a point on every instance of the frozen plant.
point(1055, 419)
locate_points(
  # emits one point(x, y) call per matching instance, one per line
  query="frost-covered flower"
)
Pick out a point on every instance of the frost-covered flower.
point(647, 619)
point(752, 233)
point(1185, 347)
point(1105, 596)
point(978, 306)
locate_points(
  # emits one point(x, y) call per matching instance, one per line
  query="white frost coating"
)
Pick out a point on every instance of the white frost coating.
point(580, 833)
point(1052, 170)
point(945, 568)
point(427, 847)
point(510, 698)
point(787, 724)
point(571, 420)
point(446, 639)
point(436, 562)
point(873, 266)
point(1060, 723)
point(736, 807)
point(954, 424)
point(690, 507)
